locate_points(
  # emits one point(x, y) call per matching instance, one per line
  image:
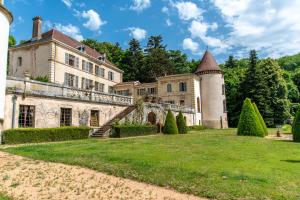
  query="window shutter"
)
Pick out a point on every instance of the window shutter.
point(77, 62)
point(67, 58)
point(66, 79)
point(76, 81)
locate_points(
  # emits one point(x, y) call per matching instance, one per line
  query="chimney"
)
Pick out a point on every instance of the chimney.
point(37, 28)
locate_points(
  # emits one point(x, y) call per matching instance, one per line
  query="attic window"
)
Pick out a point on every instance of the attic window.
point(81, 48)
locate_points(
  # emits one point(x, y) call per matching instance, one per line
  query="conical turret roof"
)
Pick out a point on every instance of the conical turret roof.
point(208, 65)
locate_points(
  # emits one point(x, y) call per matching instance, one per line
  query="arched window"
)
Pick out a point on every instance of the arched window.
point(152, 118)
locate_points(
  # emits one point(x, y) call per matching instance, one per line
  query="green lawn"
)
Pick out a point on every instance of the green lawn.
point(213, 163)
point(2, 197)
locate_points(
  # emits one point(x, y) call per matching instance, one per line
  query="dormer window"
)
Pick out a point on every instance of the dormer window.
point(81, 48)
point(102, 57)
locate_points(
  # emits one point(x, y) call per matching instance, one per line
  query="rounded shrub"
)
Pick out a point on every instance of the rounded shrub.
point(296, 126)
point(261, 120)
point(249, 124)
point(181, 124)
point(170, 126)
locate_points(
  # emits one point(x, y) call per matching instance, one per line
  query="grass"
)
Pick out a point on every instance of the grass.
point(212, 163)
point(2, 197)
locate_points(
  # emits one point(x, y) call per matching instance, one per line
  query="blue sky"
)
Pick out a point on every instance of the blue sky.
point(226, 26)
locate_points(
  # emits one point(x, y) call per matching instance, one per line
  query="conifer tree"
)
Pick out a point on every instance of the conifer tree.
point(296, 126)
point(262, 122)
point(249, 124)
point(181, 123)
point(170, 126)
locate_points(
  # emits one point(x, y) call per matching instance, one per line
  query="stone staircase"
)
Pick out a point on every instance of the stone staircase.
point(101, 132)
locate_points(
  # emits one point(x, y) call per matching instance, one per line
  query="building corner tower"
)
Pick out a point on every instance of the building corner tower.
point(212, 89)
point(6, 19)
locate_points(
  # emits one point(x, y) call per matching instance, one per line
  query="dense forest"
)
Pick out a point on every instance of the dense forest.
point(273, 84)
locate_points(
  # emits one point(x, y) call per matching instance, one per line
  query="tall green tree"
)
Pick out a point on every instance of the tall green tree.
point(178, 62)
point(11, 41)
point(113, 52)
point(231, 62)
point(157, 62)
point(133, 62)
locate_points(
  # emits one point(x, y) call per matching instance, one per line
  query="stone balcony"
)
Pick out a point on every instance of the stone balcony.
point(52, 90)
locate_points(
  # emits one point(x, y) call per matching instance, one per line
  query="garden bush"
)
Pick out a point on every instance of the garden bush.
point(249, 124)
point(170, 126)
point(261, 120)
point(296, 126)
point(196, 128)
point(120, 131)
point(181, 124)
point(36, 135)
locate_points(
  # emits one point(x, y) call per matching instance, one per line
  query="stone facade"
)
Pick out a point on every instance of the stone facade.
point(84, 81)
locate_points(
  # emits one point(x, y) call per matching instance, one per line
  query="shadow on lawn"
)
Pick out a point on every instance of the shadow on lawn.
point(291, 161)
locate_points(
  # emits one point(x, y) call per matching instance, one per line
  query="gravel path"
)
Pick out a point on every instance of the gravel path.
point(26, 179)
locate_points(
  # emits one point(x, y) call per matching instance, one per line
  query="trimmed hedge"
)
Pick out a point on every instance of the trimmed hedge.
point(120, 131)
point(196, 128)
point(249, 124)
point(170, 126)
point(36, 135)
point(296, 126)
point(181, 124)
point(261, 120)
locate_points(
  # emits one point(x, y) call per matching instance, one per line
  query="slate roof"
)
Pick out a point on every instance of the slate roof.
point(208, 64)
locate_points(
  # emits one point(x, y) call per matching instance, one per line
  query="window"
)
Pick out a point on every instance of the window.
point(99, 87)
point(110, 76)
point(110, 89)
point(65, 117)
point(26, 116)
point(91, 68)
point(170, 102)
point(152, 90)
point(198, 105)
point(223, 89)
point(99, 71)
point(182, 103)
point(169, 87)
point(71, 80)
point(224, 106)
point(71, 60)
point(123, 92)
point(141, 92)
point(182, 87)
point(19, 61)
point(86, 84)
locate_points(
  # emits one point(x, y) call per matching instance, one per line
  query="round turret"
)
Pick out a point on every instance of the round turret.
point(5, 20)
point(212, 92)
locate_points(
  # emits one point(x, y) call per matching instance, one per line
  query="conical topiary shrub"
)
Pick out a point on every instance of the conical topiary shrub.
point(296, 126)
point(170, 124)
point(249, 124)
point(181, 124)
point(261, 120)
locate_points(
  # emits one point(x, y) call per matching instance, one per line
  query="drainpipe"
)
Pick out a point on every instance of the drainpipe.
point(13, 121)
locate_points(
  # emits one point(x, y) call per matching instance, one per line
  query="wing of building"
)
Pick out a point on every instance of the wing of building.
point(84, 88)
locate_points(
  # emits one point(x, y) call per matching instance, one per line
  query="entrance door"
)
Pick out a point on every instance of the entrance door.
point(94, 118)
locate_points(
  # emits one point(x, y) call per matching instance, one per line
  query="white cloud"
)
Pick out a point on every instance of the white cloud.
point(137, 33)
point(200, 30)
point(70, 30)
point(189, 44)
point(140, 5)
point(188, 10)
point(94, 22)
point(68, 3)
point(271, 26)
point(168, 22)
point(165, 10)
